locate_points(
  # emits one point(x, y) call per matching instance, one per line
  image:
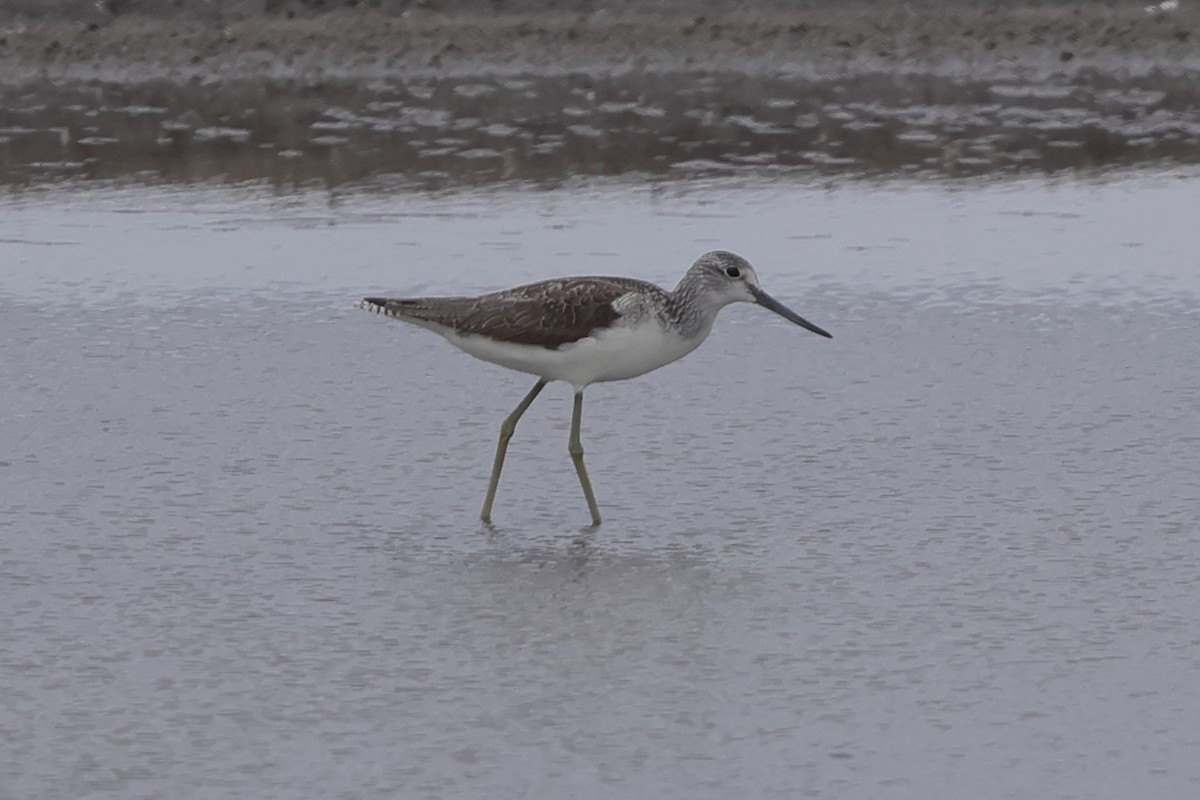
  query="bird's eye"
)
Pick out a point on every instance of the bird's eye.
point(733, 272)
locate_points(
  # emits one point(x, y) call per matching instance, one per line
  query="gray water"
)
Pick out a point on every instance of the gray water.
point(953, 552)
point(439, 132)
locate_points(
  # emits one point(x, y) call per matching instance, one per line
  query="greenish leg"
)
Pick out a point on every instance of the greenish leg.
point(575, 448)
point(506, 432)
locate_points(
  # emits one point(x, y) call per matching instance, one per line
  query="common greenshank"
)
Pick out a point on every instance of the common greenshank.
point(586, 330)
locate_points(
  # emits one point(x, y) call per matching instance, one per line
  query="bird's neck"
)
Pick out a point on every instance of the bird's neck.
point(691, 308)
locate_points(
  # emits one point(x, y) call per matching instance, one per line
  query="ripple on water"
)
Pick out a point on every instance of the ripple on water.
point(857, 124)
point(955, 542)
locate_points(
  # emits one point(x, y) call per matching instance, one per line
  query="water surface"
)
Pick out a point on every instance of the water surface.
point(950, 552)
point(440, 133)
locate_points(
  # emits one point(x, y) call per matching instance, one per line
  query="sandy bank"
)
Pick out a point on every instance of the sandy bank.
point(311, 40)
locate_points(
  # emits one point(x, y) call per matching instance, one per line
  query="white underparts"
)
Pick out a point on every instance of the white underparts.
point(613, 354)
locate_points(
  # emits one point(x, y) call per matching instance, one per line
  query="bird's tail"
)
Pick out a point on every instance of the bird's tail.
point(435, 313)
point(384, 305)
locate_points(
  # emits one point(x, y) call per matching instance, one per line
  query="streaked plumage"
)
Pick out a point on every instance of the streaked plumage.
point(548, 314)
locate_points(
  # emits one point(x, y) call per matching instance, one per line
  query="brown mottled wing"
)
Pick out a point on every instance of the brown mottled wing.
point(549, 313)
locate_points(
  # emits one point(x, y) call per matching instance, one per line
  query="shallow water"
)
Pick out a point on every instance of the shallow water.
point(483, 130)
point(951, 552)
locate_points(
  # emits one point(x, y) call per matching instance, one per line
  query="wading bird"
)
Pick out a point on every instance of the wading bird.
point(586, 330)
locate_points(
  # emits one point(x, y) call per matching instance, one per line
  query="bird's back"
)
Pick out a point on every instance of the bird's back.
point(549, 313)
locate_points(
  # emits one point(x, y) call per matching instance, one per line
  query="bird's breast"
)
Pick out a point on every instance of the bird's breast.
point(625, 352)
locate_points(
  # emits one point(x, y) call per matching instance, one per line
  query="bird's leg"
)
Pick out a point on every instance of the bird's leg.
point(506, 431)
point(575, 448)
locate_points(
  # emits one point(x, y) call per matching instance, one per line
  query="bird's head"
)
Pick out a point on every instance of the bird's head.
point(722, 278)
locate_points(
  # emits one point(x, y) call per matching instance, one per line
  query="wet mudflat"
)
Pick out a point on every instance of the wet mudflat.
point(952, 551)
point(431, 133)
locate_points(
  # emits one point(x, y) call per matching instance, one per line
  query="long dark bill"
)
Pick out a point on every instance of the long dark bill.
point(766, 301)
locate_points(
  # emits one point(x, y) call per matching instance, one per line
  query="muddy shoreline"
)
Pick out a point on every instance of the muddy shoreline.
point(437, 94)
point(133, 40)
